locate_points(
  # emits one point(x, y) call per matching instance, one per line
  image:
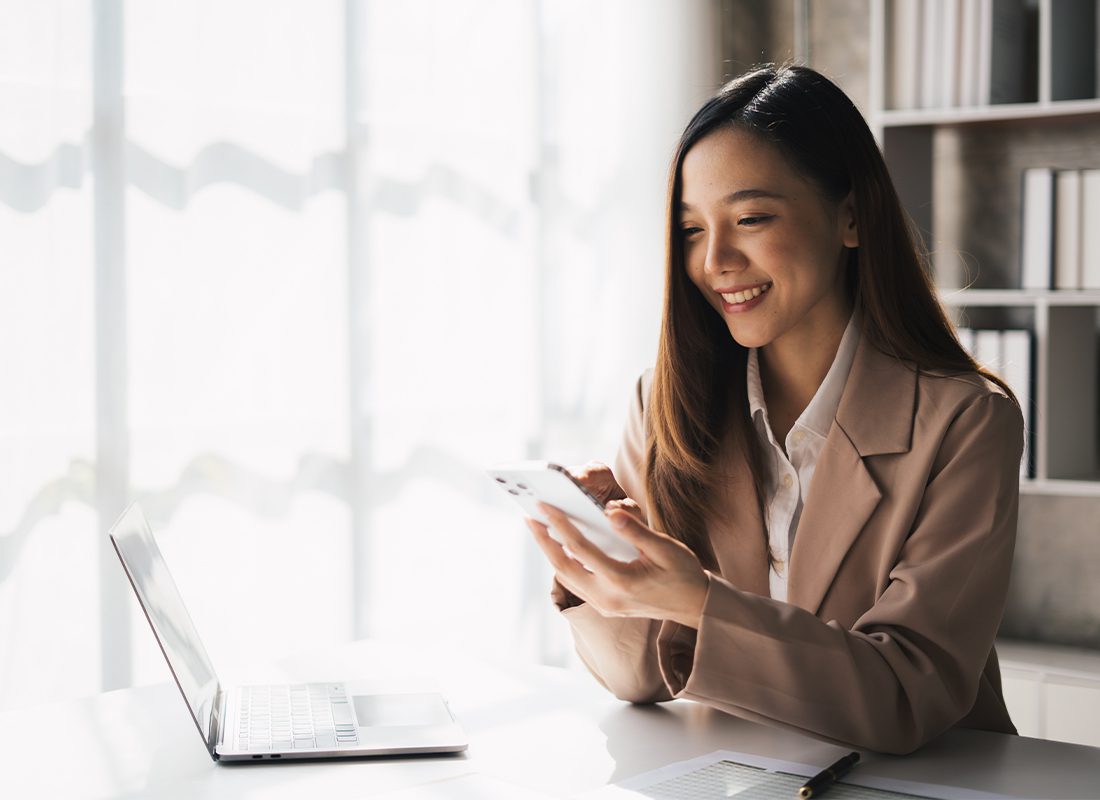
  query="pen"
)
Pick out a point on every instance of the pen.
point(820, 782)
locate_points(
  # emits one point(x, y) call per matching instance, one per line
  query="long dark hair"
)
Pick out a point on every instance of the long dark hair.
point(699, 402)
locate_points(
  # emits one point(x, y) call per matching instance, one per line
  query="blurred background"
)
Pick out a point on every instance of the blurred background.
point(293, 275)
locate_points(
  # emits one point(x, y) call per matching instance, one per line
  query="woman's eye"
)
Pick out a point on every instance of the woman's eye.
point(689, 232)
point(754, 220)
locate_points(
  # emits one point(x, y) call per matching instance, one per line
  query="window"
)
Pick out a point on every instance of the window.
point(291, 276)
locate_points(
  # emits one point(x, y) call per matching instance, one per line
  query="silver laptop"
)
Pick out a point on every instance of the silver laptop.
point(246, 723)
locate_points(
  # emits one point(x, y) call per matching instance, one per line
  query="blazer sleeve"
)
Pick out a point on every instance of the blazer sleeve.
point(622, 652)
point(909, 667)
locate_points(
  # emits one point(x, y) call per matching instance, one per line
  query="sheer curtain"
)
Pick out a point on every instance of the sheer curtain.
point(292, 275)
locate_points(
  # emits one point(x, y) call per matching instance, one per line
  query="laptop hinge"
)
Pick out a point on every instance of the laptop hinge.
point(215, 722)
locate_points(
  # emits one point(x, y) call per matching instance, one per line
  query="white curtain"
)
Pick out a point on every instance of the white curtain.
point(292, 275)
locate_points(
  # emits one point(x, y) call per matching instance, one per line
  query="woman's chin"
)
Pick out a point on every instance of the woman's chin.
point(747, 337)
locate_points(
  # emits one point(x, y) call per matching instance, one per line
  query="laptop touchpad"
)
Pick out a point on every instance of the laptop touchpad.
point(387, 710)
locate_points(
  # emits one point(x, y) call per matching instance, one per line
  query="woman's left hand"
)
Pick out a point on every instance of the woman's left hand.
point(666, 581)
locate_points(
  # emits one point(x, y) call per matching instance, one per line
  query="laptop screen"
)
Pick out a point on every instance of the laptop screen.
point(163, 606)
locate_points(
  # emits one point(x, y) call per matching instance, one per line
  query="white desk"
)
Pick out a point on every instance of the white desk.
point(540, 728)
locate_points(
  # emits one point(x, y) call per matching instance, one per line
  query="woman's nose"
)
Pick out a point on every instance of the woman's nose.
point(723, 255)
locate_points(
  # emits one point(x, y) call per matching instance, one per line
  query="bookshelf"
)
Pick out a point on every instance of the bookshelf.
point(958, 167)
point(1013, 112)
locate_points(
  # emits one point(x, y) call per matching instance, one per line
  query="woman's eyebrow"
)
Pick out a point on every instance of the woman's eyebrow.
point(738, 196)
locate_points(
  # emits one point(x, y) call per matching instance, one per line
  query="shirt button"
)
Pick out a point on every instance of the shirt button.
point(799, 436)
point(788, 481)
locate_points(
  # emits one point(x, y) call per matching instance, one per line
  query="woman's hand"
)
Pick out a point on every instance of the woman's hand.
point(666, 581)
point(598, 479)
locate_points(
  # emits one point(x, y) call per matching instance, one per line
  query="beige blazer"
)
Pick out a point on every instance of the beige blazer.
point(897, 583)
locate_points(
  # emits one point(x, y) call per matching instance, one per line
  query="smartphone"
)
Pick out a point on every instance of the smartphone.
point(532, 482)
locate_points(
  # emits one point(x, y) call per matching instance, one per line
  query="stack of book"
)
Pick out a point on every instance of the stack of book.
point(1007, 354)
point(947, 53)
point(1059, 249)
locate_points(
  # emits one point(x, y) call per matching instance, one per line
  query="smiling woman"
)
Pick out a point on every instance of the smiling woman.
point(822, 484)
point(786, 238)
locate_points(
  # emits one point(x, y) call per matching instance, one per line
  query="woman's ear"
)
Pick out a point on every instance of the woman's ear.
point(846, 221)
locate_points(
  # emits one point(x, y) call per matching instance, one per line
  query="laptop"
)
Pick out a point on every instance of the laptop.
point(259, 723)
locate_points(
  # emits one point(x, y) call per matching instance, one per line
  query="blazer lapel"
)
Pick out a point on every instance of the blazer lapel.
point(875, 417)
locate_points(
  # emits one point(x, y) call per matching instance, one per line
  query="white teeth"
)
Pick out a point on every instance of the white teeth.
point(740, 297)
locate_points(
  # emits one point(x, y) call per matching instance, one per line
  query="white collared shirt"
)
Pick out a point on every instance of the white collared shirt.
point(789, 477)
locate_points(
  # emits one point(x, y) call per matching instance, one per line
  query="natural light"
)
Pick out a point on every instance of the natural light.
point(293, 276)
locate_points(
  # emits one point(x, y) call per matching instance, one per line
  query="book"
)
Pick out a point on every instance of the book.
point(1070, 412)
point(1067, 229)
point(932, 54)
point(1017, 373)
point(1090, 229)
point(1073, 58)
point(1037, 235)
point(970, 52)
point(905, 52)
point(949, 53)
point(1002, 45)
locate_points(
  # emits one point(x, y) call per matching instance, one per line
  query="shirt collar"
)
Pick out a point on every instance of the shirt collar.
point(755, 387)
point(819, 414)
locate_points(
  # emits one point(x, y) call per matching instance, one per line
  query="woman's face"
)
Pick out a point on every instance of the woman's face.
point(762, 244)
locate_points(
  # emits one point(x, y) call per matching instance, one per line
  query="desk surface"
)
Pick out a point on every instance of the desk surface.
point(545, 729)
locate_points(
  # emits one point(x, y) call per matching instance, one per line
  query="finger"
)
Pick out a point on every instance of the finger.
point(547, 543)
point(563, 580)
point(569, 587)
point(567, 569)
point(626, 504)
point(589, 469)
point(550, 546)
point(583, 550)
point(598, 479)
point(648, 541)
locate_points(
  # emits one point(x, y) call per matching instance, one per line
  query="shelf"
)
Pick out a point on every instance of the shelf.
point(1019, 297)
point(1010, 112)
point(957, 171)
point(1060, 487)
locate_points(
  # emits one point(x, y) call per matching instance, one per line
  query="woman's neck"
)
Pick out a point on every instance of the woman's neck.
point(793, 367)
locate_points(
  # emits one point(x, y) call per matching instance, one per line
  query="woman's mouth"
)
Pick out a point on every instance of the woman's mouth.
point(745, 299)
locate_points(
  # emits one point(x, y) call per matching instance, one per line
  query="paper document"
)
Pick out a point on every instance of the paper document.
point(725, 773)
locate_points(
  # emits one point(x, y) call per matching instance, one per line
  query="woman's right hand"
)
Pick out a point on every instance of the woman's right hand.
point(598, 479)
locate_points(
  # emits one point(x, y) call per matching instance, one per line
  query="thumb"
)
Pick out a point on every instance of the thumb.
point(633, 529)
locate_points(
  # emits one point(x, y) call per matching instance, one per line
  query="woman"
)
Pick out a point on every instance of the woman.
point(822, 484)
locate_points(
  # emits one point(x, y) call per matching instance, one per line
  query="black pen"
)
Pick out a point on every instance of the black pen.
point(820, 782)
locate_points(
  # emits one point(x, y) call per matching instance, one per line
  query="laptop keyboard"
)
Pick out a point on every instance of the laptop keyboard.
point(279, 718)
